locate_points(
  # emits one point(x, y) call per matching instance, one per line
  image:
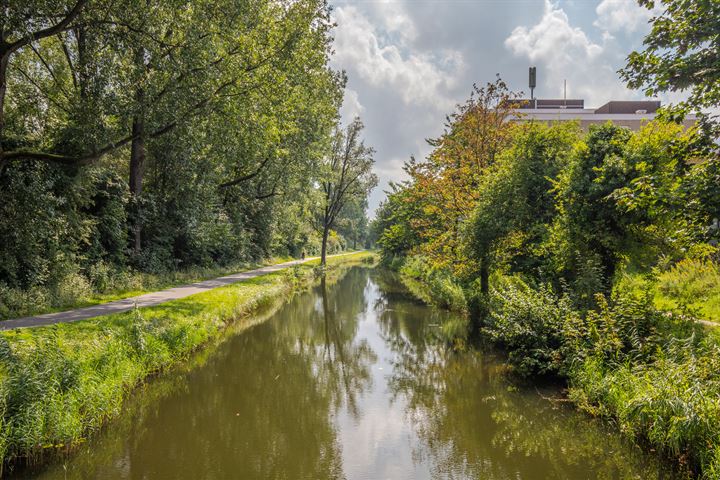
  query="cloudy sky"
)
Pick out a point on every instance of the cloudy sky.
point(409, 62)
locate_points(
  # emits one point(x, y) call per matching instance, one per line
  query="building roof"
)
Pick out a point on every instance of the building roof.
point(631, 114)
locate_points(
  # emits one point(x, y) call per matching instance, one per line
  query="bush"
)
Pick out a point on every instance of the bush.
point(72, 289)
point(530, 325)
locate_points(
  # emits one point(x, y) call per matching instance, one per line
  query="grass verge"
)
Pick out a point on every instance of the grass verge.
point(104, 283)
point(690, 287)
point(61, 383)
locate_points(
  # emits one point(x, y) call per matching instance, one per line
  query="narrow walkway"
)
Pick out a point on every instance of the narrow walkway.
point(146, 300)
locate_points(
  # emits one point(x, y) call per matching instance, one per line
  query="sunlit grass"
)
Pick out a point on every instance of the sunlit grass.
point(124, 284)
point(691, 287)
point(61, 383)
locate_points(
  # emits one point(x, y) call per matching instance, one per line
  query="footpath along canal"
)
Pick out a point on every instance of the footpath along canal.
point(350, 380)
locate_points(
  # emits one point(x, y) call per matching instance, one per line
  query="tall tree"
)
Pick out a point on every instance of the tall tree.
point(682, 53)
point(347, 176)
point(185, 128)
point(446, 183)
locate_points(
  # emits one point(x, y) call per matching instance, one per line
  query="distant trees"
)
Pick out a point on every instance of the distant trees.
point(347, 178)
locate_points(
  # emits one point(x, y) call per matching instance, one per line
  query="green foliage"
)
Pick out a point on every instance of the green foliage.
point(670, 402)
point(529, 324)
point(655, 373)
point(515, 202)
point(557, 222)
point(346, 179)
point(690, 287)
point(393, 227)
point(680, 53)
point(435, 285)
point(161, 135)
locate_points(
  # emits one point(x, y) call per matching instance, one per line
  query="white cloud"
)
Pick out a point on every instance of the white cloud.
point(395, 19)
point(622, 15)
point(414, 76)
point(564, 52)
point(351, 106)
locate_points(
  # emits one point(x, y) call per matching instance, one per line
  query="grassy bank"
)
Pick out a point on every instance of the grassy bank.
point(104, 283)
point(691, 287)
point(654, 373)
point(60, 384)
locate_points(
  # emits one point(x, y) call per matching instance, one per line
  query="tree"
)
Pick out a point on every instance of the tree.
point(352, 222)
point(186, 130)
point(516, 205)
point(445, 185)
point(23, 23)
point(393, 223)
point(347, 176)
point(681, 53)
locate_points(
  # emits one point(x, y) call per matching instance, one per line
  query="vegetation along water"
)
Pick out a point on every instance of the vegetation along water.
point(353, 379)
point(149, 144)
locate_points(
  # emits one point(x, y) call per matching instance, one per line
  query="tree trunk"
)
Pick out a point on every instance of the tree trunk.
point(4, 59)
point(484, 277)
point(323, 251)
point(137, 170)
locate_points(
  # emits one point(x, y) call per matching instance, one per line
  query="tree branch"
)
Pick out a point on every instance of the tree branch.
point(61, 26)
point(247, 177)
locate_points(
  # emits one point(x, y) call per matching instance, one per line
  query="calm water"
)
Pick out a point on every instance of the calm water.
point(349, 381)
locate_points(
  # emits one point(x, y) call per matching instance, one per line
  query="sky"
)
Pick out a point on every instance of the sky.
point(410, 62)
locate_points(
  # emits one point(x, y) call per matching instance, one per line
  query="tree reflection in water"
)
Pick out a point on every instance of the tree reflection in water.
point(471, 421)
point(350, 380)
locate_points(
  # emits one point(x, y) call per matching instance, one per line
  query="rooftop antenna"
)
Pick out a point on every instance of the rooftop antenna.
point(533, 82)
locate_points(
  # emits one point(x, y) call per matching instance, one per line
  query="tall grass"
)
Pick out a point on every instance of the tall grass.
point(433, 285)
point(691, 284)
point(60, 384)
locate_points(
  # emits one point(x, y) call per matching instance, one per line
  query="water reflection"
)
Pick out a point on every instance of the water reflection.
point(351, 380)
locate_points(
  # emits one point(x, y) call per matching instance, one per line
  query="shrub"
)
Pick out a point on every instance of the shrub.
point(71, 289)
point(529, 324)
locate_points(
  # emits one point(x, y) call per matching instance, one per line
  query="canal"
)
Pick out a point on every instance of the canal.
point(352, 380)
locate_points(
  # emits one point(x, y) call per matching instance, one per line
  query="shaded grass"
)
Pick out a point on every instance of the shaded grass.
point(77, 291)
point(61, 383)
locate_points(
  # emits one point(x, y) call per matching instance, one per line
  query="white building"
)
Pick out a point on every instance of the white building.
point(631, 114)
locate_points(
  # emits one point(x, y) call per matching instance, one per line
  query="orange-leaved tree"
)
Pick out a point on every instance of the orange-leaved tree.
point(445, 184)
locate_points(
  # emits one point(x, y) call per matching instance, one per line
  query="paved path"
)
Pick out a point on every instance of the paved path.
point(147, 300)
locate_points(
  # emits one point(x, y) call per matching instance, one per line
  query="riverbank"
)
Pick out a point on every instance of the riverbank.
point(652, 373)
point(375, 393)
point(60, 384)
point(104, 283)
